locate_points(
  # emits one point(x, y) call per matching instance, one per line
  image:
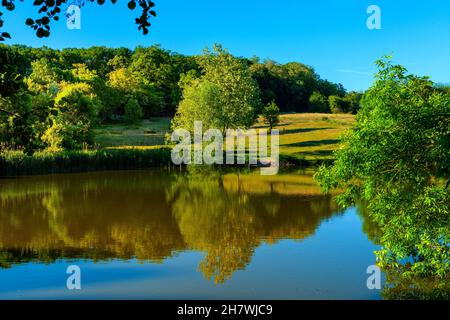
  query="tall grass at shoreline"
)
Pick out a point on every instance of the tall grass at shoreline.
point(16, 163)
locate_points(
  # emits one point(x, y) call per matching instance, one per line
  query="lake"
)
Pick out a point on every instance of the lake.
point(156, 234)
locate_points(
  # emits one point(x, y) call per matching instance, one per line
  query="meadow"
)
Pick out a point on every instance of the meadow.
point(306, 139)
point(308, 136)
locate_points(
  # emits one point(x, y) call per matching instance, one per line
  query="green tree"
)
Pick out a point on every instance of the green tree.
point(289, 85)
point(201, 102)
point(271, 114)
point(396, 159)
point(318, 103)
point(18, 121)
point(353, 100)
point(128, 85)
point(76, 114)
point(133, 111)
point(338, 104)
point(44, 78)
point(50, 10)
point(237, 94)
point(162, 69)
point(21, 118)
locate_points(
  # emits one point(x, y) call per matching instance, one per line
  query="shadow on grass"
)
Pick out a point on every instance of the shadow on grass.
point(313, 143)
point(264, 126)
point(300, 130)
point(318, 153)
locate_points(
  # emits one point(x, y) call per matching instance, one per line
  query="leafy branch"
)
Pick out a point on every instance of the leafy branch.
point(50, 10)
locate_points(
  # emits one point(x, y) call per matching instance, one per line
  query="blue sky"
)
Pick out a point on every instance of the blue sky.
point(329, 35)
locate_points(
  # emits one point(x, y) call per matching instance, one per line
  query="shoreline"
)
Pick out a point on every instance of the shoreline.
point(17, 164)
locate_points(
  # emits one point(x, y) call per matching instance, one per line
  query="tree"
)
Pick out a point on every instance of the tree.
point(271, 114)
point(52, 9)
point(17, 122)
point(44, 78)
point(13, 66)
point(201, 102)
point(353, 100)
point(162, 69)
point(338, 104)
point(396, 159)
point(129, 86)
point(289, 85)
point(238, 94)
point(328, 88)
point(133, 112)
point(76, 113)
point(224, 97)
point(318, 103)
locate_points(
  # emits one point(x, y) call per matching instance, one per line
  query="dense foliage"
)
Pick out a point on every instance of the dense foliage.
point(51, 99)
point(224, 97)
point(397, 158)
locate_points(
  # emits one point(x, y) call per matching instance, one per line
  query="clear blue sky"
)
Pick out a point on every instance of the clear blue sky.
point(329, 35)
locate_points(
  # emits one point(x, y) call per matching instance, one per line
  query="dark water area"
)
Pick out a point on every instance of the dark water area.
point(155, 234)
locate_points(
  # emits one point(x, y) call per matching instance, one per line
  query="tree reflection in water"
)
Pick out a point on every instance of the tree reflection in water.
point(150, 215)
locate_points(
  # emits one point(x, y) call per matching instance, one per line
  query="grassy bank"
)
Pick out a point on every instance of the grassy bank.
point(305, 140)
point(309, 137)
point(15, 163)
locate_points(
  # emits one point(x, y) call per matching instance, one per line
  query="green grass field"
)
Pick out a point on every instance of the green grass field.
point(149, 133)
point(310, 136)
point(305, 140)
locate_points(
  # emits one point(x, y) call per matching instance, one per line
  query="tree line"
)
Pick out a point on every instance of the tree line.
point(51, 99)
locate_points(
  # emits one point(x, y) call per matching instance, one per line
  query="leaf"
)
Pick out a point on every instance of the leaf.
point(131, 5)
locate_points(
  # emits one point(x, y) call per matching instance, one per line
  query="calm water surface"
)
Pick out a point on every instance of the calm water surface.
point(160, 235)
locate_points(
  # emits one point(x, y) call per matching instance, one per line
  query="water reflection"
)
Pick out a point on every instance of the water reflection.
point(150, 215)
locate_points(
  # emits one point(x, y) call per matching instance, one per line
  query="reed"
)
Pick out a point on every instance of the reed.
point(17, 163)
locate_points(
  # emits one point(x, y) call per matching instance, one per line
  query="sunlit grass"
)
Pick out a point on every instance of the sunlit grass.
point(145, 134)
point(309, 136)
